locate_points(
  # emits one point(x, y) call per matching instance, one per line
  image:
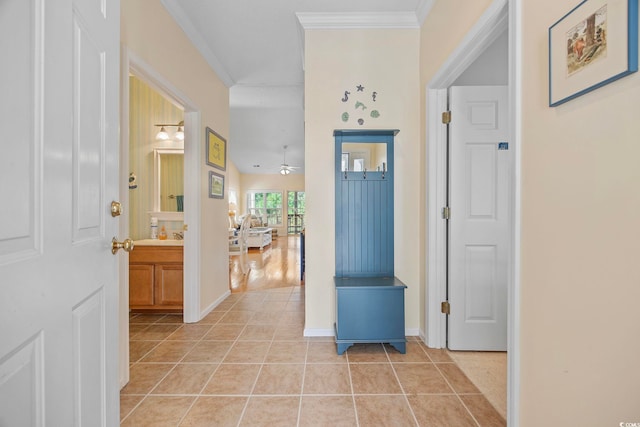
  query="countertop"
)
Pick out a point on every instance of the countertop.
point(158, 242)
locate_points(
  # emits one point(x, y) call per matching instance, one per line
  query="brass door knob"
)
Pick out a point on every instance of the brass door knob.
point(126, 245)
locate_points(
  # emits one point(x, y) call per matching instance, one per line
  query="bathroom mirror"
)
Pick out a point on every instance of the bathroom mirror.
point(358, 156)
point(169, 182)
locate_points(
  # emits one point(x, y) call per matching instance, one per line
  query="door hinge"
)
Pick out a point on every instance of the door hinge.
point(446, 117)
point(446, 212)
point(445, 307)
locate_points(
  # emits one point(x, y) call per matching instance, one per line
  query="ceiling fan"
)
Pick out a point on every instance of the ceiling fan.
point(285, 169)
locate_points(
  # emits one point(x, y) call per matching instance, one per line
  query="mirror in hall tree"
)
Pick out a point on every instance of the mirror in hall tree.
point(169, 180)
point(358, 156)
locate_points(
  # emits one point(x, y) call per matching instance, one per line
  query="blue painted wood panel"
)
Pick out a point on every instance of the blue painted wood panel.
point(364, 212)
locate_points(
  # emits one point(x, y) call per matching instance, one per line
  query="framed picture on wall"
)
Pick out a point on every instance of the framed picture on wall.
point(216, 150)
point(216, 185)
point(591, 46)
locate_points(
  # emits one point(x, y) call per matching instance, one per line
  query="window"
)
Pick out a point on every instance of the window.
point(266, 205)
point(295, 212)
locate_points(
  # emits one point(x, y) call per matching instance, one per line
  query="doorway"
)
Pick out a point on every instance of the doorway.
point(132, 64)
point(500, 16)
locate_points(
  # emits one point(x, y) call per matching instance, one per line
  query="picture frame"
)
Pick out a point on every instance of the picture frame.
point(216, 150)
point(593, 45)
point(216, 185)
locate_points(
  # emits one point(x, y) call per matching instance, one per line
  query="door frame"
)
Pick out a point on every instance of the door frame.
point(500, 15)
point(130, 62)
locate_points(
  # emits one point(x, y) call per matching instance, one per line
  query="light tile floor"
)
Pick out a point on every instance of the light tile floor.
point(248, 364)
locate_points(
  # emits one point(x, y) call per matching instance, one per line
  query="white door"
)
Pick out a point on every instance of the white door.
point(479, 226)
point(58, 175)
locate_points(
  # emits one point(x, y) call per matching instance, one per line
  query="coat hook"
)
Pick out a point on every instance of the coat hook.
point(345, 174)
point(364, 173)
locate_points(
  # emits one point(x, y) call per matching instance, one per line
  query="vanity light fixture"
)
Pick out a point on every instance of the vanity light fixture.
point(163, 135)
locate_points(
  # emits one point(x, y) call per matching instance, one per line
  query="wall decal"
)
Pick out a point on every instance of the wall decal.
point(361, 99)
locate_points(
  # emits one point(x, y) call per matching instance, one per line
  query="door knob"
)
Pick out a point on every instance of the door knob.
point(127, 245)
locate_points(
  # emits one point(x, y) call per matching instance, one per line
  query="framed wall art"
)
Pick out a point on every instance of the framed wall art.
point(216, 150)
point(591, 46)
point(216, 185)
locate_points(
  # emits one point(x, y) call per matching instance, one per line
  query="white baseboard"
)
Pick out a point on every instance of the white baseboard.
point(412, 332)
point(309, 332)
point(214, 304)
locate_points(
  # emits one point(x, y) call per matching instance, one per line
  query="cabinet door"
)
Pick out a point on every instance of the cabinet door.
point(169, 284)
point(141, 289)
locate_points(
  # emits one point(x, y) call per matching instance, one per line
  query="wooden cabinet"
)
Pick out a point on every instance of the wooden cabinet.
point(156, 279)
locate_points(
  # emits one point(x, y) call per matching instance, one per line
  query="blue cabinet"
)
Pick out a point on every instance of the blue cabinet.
point(369, 299)
point(369, 309)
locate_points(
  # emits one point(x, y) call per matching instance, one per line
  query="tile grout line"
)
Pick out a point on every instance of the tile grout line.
point(165, 375)
point(304, 374)
point(246, 404)
point(404, 393)
point(353, 394)
point(457, 394)
point(216, 368)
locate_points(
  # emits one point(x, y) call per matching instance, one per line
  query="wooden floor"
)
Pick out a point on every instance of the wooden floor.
point(276, 266)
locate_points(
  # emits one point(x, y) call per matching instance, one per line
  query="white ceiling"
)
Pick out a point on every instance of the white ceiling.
point(256, 48)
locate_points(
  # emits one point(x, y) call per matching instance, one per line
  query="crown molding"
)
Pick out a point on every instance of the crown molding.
point(183, 21)
point(423, 9)
point(357, 20)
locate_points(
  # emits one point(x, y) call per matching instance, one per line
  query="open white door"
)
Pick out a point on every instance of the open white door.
point(58, 175)
point(479, 193)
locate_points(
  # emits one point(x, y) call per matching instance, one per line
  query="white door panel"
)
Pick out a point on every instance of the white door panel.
point(59, 174)
point(479, 171)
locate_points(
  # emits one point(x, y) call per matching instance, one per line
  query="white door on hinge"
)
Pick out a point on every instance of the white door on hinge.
point(479, 227)
point(58, 175)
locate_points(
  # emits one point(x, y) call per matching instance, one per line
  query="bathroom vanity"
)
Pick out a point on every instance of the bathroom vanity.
point(156, 276)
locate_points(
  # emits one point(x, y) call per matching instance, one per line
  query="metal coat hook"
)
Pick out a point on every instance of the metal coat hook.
point(345, 174)
point(364, 173)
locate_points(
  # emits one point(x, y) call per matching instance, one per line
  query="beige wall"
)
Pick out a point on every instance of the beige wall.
point(284, 183)
point(580, 232)
point(580, 228)
point(385, 61)
point(148, 31)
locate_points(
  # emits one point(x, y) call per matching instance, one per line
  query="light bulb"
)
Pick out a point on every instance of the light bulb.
point(180, 133)
point(162, 135)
